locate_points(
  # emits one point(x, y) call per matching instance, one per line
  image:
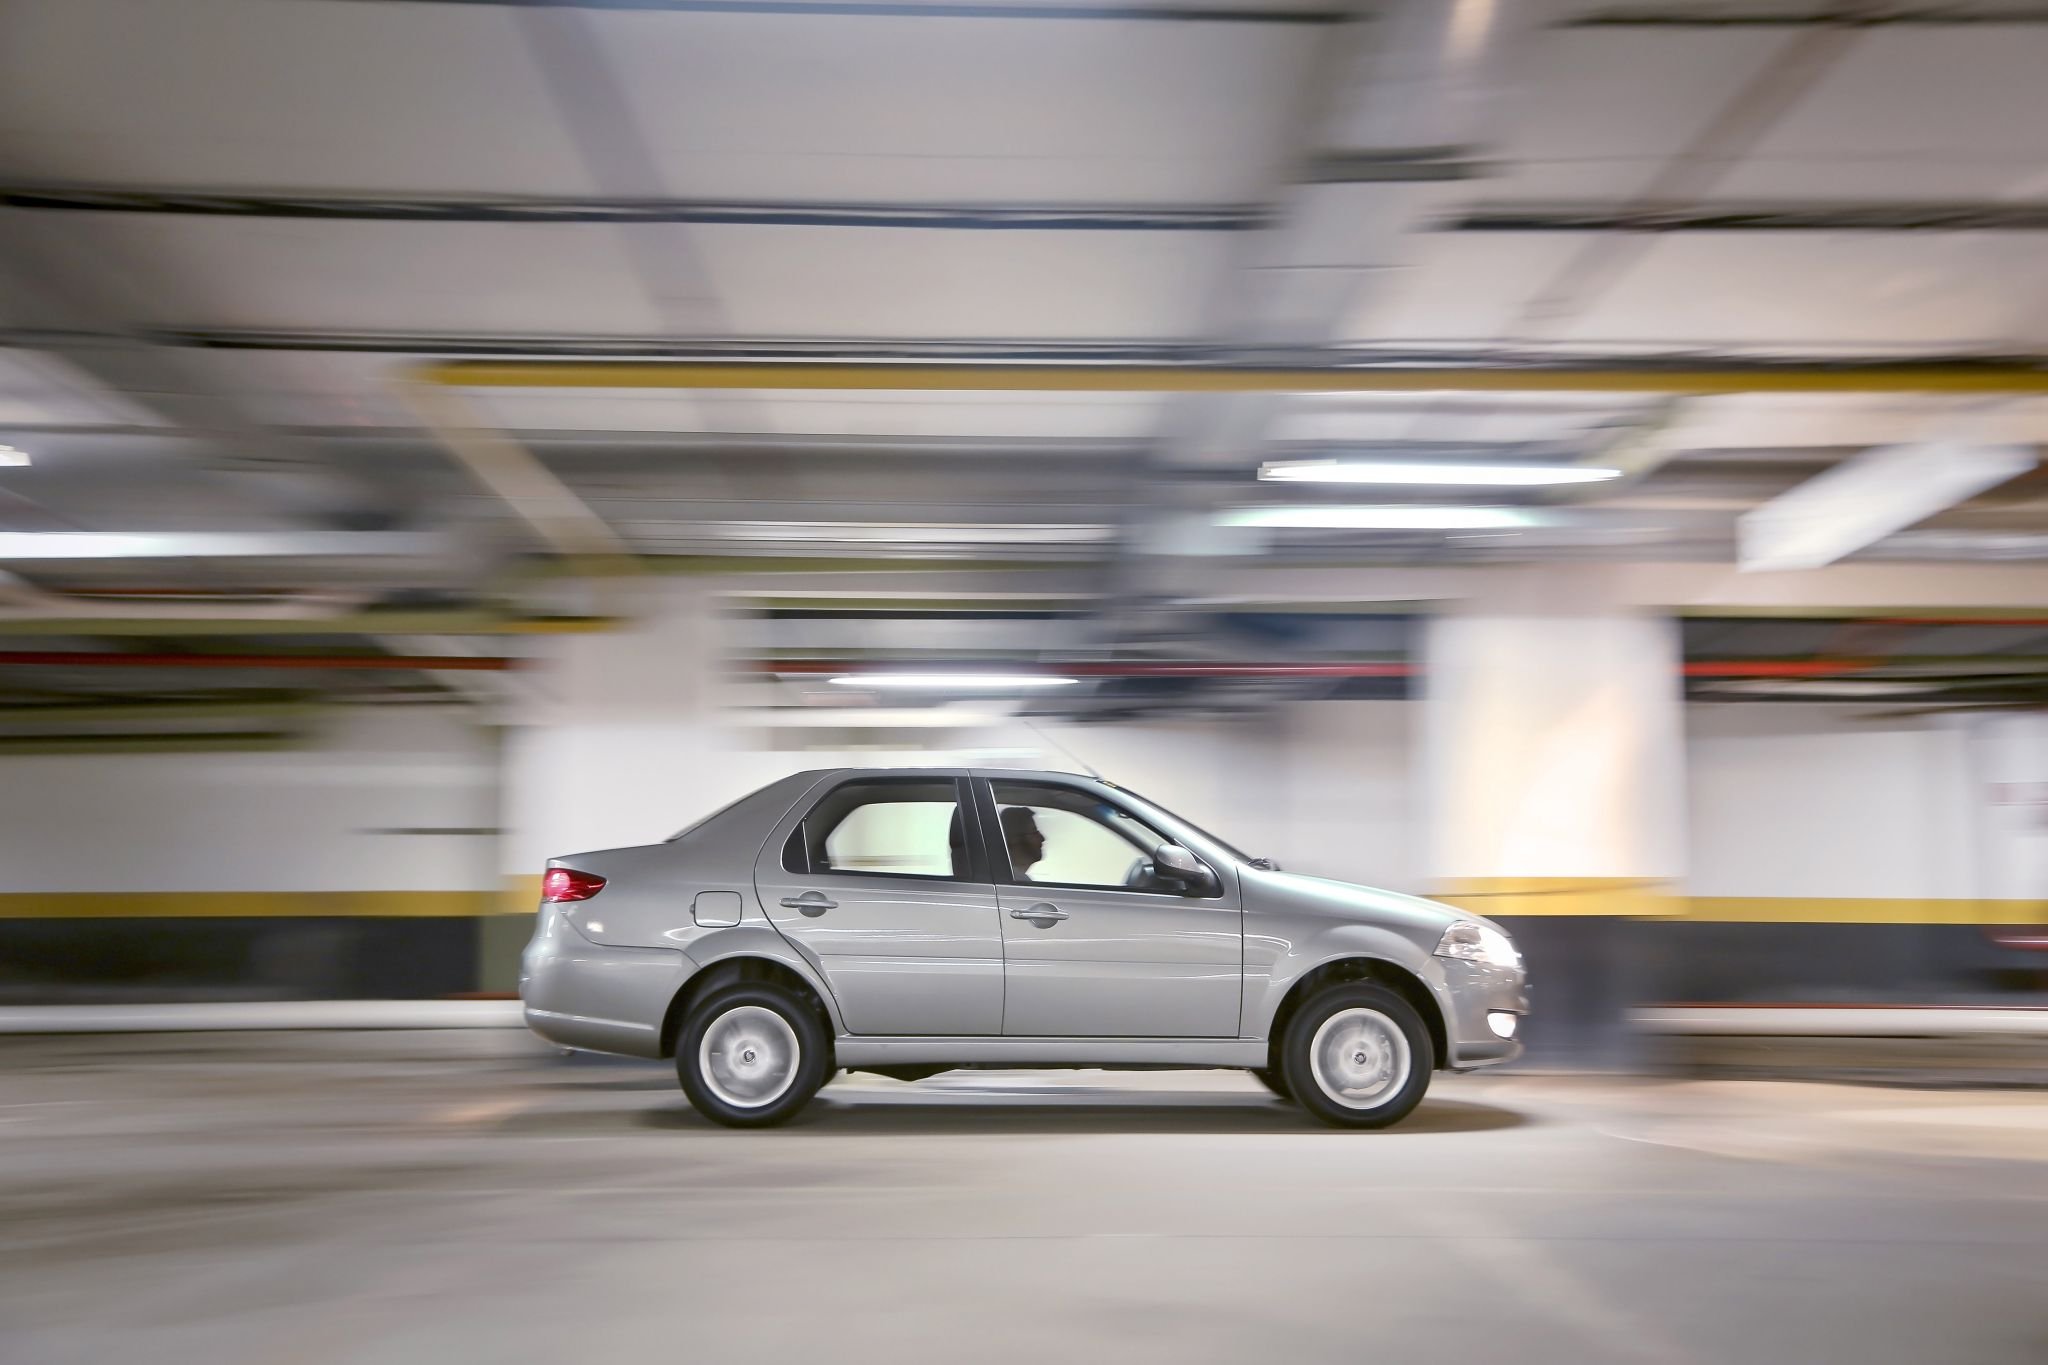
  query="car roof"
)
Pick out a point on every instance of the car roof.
point(1021, 774)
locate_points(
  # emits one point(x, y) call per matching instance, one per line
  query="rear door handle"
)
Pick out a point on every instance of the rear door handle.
point(1041, 914)
point(812, 903)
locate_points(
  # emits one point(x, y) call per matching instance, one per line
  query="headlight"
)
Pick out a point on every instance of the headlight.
point(1474, 942)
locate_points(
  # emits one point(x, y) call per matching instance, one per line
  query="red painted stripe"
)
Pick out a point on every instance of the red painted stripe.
point(1724, 1006)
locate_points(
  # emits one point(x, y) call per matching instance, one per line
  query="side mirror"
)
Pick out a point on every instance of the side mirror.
point(1176, 865)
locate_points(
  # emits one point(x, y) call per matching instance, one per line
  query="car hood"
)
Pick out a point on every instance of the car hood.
point(1297, 894)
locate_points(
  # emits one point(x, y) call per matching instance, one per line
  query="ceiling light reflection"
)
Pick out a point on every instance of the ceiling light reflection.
point(1424, 473)
point(954, 682)
point(1381, 518)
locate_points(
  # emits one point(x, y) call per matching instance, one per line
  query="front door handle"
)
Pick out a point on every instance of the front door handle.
point(812, 903)
point(1041, 914)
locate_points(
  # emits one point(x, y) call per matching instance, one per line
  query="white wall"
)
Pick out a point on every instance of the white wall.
point(627, 739)
point(1846, 801)
point(1784, 800)
point(1791, 800)
point(296, 820)
point(2009, 765)
point(1346, 805)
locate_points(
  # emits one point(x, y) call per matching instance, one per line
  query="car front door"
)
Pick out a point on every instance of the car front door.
point(1095, 944)
point(881, 882)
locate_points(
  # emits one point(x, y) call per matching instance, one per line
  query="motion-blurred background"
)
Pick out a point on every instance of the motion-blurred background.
point(1574, 458)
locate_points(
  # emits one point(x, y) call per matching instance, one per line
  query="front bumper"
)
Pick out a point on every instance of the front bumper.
point(1474, 990)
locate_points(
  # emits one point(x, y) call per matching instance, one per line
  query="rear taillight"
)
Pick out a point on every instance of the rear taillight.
point(567, 884)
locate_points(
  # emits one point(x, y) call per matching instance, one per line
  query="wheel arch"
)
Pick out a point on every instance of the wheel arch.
point(1377, 970)
point(733, 970)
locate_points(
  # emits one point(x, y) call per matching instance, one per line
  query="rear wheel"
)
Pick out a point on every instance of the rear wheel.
point(1357, 1056)
point(752, 1055)
point(1273, 1081)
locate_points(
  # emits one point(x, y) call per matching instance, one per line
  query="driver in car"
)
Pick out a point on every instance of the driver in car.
point(1025, 842)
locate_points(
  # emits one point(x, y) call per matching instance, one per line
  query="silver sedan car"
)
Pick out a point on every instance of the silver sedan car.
point(917, 921)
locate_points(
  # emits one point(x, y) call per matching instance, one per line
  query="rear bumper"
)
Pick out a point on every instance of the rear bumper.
point(587, 1033)
point(597, 998)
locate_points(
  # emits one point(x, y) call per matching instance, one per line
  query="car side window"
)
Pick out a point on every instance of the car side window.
point(1061, 836)
point(891, 827)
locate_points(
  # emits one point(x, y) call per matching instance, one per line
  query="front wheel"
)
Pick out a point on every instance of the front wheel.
point(751, 1056)
point(1357, 1056)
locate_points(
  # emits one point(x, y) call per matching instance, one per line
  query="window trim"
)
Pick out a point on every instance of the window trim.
point(977, 855)
point(998, 851)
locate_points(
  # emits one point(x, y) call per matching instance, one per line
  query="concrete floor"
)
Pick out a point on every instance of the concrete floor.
point(457, 1197)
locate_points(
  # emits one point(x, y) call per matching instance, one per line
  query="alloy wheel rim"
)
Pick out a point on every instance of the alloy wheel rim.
point(1360, 1058)
point(748, 1057)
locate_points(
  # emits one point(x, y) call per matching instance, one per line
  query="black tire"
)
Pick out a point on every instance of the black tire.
point(1381, 1053)
point(1274, 1082)
point(811, 1069)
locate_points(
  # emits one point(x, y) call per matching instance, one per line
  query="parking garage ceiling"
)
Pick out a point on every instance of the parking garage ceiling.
point(231, 230)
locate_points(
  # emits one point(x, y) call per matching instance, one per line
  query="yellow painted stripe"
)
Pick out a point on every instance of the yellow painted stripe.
point(1577, 897)
point(249, 904)
point(1832, 910)
point(519, 895)
point(1574, 897)
point(1589, 897)
point(689, 374)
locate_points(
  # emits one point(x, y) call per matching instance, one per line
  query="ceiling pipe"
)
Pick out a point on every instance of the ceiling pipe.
point(1202, 668)
point(1821, 16)
point(23, 601)
point(1877, 377)
point(405, 208)
point(261, 706)
point(1060, 11)
point(377, 621)
point(65, 658)
point(220, 741)
point(1956, 620)
point(1086, 668)
point(1752, 217)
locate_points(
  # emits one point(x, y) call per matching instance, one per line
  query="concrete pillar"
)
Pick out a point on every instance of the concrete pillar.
point(1553, 780)
point(617, 741)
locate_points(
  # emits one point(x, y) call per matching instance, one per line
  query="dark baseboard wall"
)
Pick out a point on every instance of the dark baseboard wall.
point(300, 958)
point(1587, 973)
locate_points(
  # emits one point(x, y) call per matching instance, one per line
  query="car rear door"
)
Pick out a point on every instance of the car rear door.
point(1086, 955)
point(881, 882)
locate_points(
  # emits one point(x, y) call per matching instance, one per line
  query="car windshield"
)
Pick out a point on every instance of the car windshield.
point(1154, 806)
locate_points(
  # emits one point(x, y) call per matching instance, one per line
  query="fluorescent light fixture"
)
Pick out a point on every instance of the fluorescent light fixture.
point(954, 682)
point(1425, 473)
point(866, 718)
point(1381, 518)
point(12, 455)
point(909, 534)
